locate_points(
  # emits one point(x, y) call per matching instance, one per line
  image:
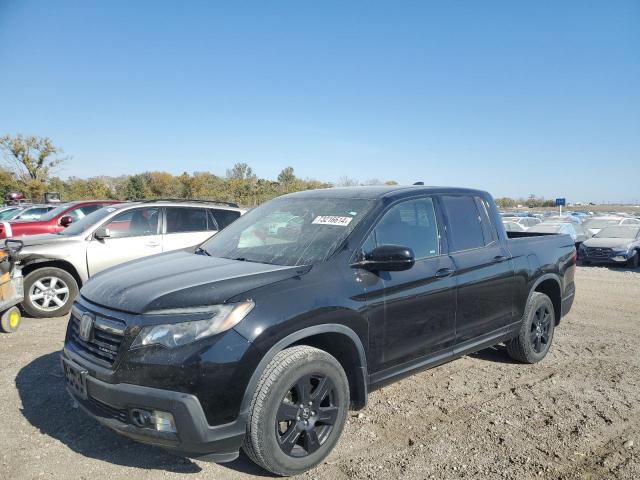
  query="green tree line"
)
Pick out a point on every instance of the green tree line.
point(149, 185)
point(29, 166)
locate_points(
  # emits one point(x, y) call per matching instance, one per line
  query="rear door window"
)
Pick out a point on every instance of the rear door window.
point(466, 229)
point(185, 219)
point(224, 217)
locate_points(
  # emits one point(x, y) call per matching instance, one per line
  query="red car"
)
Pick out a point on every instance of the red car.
point(52, 222)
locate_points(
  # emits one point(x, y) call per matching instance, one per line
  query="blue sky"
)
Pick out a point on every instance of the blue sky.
point(513, 97)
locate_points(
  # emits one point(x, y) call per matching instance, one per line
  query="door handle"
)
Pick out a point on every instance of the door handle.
point(444, 273)
point(152, 244)
point(499, 258)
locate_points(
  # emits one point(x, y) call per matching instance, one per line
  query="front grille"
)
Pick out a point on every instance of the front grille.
point(597, 252)
point(106, 411)
point(105, 341)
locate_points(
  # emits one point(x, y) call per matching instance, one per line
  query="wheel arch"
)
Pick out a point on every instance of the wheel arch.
point(337, 340)
point(549, 284)
point(61, 264)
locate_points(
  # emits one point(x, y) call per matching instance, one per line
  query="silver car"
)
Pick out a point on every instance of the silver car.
point(56, 265)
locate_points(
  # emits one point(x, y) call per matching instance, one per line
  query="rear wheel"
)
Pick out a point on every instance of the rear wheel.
point(536, 332)
point(298, 411)
point(49, 292)
point(10, 320)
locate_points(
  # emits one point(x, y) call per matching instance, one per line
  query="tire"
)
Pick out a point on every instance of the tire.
point(536, 333)
point(10, 320)
point(279, 395)
point(633, 261)
point(35, 298)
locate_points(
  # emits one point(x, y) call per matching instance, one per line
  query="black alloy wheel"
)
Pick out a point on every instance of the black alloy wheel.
point(536, 330)
point(540, 328)
point(306, 415)
point(298, 411)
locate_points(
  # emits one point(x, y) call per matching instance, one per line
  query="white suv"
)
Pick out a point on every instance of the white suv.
point(56, 265)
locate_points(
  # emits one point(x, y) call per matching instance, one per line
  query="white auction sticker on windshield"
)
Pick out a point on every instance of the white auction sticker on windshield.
point(332, 220)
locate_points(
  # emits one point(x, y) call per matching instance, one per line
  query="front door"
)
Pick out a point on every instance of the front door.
point(132, 234)
point(412, 312)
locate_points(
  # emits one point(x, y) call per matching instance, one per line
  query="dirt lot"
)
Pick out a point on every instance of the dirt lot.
point(575, 415)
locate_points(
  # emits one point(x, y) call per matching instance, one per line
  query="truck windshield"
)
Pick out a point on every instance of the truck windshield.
point(618, 232)
point(78, 227)
point(289, 231)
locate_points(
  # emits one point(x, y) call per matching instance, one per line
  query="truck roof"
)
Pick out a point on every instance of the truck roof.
point(379, 192)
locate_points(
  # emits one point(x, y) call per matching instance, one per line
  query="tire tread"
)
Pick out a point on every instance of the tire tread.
point(516, 347)
point(254, 442)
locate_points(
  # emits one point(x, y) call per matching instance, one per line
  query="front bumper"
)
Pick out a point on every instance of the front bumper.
point(111, 404)
point(609, 260)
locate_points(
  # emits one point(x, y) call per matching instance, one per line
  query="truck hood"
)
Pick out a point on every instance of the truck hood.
point(179, 279)
point(616, 243)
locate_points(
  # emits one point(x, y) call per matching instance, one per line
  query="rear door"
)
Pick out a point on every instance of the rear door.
point(133, 234)
point(483, 268)
point(187, 226)
point(412, 312)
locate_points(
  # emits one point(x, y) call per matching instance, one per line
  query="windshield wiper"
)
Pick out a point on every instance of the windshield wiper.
point(244, 259)
point(202, 251)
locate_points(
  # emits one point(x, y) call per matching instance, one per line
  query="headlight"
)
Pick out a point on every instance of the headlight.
point(621, 252)
point(223, 317)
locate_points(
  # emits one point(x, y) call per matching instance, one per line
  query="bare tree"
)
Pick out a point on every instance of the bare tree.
point(31, 158)
point(373, 182)
point(345, 181)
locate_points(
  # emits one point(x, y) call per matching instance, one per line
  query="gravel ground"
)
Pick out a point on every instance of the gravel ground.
point(575, 415)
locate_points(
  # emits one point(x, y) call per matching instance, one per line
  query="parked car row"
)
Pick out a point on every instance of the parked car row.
point(74, 241)
point(598, 239)
point(24, 212)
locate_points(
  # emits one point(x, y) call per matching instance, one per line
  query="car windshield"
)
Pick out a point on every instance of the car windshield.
point(601, 222)
point(618, 232)
point(53, 213)
point(6, 214)
point(31, 213)
point(78, 227)
point(542, 228)
point(289, 231)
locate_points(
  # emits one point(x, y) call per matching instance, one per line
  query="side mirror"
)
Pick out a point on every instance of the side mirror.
point(388, 258)
point(101, 233)
point(66, 221)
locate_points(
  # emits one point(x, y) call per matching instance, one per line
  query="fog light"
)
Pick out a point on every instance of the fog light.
point(163, 421)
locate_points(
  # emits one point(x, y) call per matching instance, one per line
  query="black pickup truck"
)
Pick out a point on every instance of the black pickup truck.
point(264, 336)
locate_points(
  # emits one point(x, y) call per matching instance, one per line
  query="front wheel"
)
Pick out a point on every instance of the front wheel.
point(298, 411)
point(633, 261)
point(49, 292)
point(536, 332)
